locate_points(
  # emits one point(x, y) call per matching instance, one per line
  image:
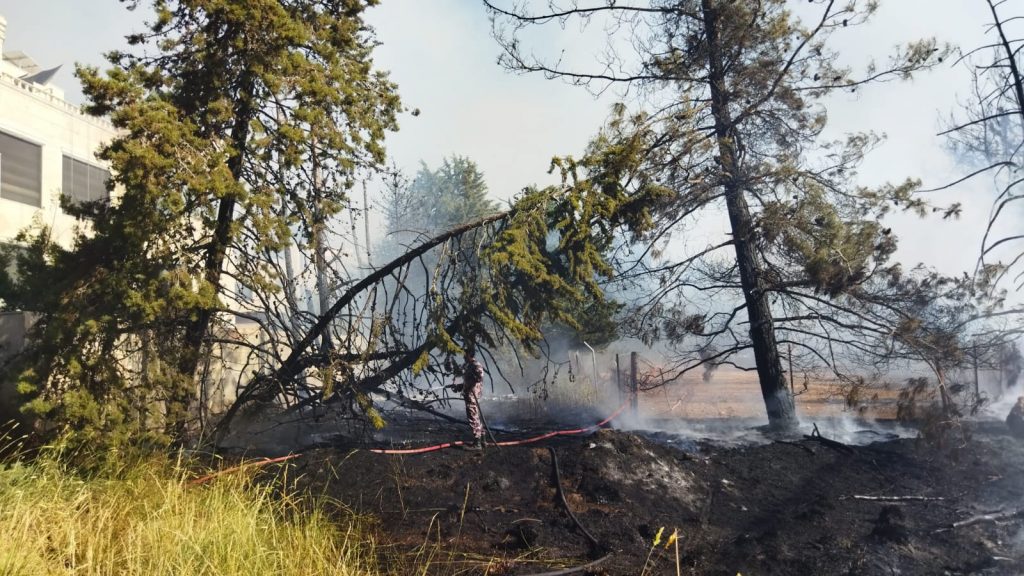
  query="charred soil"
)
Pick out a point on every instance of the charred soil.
point(800, 507)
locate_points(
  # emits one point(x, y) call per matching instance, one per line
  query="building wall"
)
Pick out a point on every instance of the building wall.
point(13, 328)
point(40, 115)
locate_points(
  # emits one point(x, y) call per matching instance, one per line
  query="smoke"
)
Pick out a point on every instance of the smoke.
point(730, 412)
point(709, 367)
point(1002, 405)
point(752, 431)
point(856, 430)
point(1009, 386)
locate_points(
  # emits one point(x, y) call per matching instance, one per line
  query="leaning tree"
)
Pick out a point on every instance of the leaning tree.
point(499, 282)
point(733, 113)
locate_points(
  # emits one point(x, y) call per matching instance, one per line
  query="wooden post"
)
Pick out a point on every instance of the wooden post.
point(977, 389)
point(618, 377)
point(792, 385)
point(634, 385)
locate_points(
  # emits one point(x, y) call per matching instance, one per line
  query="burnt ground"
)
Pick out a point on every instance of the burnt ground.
point(772, 508)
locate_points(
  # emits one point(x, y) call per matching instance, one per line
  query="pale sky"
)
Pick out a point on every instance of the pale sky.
point(442, 56)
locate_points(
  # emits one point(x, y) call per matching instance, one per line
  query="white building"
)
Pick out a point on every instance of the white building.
point(47, 149)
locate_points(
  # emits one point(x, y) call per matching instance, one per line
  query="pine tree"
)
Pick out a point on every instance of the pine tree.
point(459, 194)
point(436, 200)
point(736, 89)
point(224, 109)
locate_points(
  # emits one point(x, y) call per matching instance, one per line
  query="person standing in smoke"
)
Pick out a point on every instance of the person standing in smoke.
point(471, 388)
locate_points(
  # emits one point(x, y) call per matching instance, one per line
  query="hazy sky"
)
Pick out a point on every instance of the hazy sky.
point(441, 54)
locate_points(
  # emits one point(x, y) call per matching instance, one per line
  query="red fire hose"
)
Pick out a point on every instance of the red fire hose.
point(544, 436)
point(435, 447)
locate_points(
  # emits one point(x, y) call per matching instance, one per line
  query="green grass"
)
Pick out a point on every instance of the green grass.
point(148, 520)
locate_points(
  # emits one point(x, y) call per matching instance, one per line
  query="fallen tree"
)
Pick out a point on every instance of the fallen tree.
point(494, 282)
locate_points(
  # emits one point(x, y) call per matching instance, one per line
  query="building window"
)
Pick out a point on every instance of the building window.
point(21, 170)
point(83, 182)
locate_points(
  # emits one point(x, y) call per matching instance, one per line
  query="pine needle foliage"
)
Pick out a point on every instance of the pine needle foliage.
point(222, 108)
point(729, 105)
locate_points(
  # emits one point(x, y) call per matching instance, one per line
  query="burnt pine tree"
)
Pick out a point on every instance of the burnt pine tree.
point(734, 91)
point(239, 122)
point(987, 135)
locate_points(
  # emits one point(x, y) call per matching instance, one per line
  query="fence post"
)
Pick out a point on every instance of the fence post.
point(618, 376)
point(634, 385)
point(792, 385)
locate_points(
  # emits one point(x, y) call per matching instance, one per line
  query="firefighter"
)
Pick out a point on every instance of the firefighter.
point(471, 388)
point(1015, 419)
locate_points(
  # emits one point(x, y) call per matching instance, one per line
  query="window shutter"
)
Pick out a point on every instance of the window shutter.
point(84, 182)
point(21, 170)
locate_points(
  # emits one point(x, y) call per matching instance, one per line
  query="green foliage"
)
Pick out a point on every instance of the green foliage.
point(545, 265)
point(221, 113)
point(453, 194)
point(835, 249)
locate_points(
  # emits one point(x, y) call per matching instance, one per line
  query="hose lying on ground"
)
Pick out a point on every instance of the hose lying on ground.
point(456, 443)
point(531, 440)
point(565, 504)
point(574, 569)
point(594, 544)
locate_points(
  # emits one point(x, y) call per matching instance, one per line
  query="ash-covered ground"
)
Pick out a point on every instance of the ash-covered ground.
point(758, 507)
point(693, 459)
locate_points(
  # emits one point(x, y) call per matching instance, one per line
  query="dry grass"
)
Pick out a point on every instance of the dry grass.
point(148, 520)
point(737, 394)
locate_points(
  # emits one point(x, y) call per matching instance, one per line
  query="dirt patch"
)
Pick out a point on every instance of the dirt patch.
point(777, 508)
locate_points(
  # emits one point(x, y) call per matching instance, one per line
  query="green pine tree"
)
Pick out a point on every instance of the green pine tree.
point(223, 107)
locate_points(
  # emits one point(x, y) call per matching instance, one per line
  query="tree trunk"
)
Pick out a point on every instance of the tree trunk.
point(320, 252)
point(777, 399)
point(197, 330)
point(634, 387)
point(366, 226)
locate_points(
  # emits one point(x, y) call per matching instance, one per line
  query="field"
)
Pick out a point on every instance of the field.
point(736, 394)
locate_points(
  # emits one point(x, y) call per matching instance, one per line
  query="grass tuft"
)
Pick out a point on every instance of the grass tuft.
point(146, 519)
